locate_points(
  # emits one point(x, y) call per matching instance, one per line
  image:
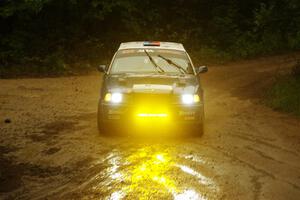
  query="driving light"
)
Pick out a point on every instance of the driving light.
point(113, 97)
point(190, 98)
point(152, 115)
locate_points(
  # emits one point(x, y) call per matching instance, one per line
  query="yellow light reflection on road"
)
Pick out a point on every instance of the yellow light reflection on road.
point(151, 172)
point(156, 175)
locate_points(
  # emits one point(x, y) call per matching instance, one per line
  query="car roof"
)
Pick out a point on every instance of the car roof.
point(163, 45)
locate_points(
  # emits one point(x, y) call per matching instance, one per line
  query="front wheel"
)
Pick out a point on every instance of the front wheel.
point(197, 129)
point(100, 124)
point(101, 129)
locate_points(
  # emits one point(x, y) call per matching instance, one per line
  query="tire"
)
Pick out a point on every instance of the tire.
point(101, 126)
point(199, 128)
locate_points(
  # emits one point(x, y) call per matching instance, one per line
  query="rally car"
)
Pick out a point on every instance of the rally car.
point(151, 86)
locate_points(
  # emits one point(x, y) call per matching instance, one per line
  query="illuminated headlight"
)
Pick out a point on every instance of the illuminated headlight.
point(113, 97)
point(190, 98)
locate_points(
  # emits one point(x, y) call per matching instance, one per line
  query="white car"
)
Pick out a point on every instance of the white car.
point(151, 85)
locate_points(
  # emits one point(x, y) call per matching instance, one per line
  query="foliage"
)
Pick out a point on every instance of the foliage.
point(54, 34)
point(296, 70)
point(285, 95)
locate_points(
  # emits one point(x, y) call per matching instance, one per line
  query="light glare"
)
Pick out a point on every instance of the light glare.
point(116, 97)
point(187, 98)
point(152, 115)
point(190, 98)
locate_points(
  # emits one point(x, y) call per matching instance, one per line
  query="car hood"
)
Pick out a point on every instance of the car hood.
point(135, 83)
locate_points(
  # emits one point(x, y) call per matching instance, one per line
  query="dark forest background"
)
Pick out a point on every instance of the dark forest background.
point(57, 35)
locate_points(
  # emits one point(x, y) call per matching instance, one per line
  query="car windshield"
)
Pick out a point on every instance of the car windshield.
point(138, 61)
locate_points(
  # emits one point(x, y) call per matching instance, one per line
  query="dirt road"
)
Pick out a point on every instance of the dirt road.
point(50, 147)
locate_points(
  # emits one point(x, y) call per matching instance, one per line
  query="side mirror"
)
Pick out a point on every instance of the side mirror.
point(102, 68)
point(201, 69)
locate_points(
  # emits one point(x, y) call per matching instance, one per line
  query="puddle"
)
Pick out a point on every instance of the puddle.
point(51, 151)
point(150, 172)
point(11, 173)
point(53, 130)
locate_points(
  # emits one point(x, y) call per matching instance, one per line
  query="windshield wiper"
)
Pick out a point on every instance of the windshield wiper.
point(169, 61)
point(158, 68)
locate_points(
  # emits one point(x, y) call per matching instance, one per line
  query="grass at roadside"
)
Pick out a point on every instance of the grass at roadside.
point(284, 95)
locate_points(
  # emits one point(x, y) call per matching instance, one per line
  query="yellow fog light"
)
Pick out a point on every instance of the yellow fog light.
point(161, 115)
point(107, 97)
point(196, 98)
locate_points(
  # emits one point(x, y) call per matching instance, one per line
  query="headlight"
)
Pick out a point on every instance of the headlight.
point(190, 98)
point(113, 97)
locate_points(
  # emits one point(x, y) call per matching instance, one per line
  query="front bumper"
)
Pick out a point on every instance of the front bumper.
point(136, 114)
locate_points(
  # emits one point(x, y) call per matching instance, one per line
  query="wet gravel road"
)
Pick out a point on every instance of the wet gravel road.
point(50, 147)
